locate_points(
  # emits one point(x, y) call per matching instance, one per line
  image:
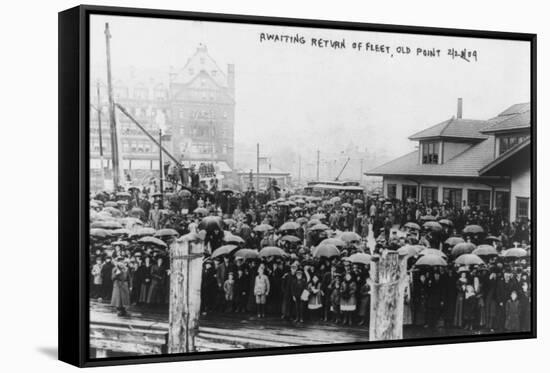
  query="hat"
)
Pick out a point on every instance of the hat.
point(295, 264)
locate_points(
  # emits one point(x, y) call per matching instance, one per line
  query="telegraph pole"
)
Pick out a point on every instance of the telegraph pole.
point(161, 167)
point(100, 135)
point(257, 167)
point(299, 170)
point(114, 140)
point(361, 176)
point(318, 156)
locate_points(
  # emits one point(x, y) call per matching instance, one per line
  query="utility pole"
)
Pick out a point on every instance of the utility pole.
point(257, 167)
point(318, 156)
point(114, 140)
point(100, 136)
point(161, 167)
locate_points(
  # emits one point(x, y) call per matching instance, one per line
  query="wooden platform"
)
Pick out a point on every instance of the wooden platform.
point(144, 332)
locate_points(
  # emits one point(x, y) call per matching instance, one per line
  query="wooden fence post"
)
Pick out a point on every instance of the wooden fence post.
point(388, 274)
point(186, 256)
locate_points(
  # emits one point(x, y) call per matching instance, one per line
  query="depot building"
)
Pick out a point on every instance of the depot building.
point(484, 163)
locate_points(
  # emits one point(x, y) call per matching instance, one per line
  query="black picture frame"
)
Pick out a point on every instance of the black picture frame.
point(74, 181)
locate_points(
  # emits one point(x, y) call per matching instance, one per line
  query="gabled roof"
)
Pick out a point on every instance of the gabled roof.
point(199, 62)
point(516, 117)
point(453, 128)
point(465, 164)
point(509, 154)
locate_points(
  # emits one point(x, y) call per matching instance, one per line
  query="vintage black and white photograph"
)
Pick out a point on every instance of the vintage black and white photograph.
point(257, 186)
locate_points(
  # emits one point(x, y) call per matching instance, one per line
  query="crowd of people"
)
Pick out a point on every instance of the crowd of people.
point(305, 258)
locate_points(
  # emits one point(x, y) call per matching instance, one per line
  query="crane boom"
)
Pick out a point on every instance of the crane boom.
point(342, 170)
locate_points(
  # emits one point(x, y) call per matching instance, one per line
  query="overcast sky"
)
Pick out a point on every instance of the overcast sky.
point(306, 97)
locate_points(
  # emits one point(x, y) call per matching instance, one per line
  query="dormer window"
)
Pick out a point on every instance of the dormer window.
point(430, 153)
point(508, 142)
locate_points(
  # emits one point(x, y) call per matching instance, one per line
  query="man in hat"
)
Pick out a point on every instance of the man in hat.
point(297, 289)
point(106, 278)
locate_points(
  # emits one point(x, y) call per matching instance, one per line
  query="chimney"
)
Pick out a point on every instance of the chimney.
point(459, 109)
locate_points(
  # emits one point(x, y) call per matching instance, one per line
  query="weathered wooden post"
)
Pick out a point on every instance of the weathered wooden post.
point(388, 274)
point(186, 256)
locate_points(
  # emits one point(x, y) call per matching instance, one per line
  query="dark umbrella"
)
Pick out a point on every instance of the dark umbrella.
point(224, 250)
point(326, 250)
point(431, 260)
point(473, 229)
point(412, 225)
point(246, 254)
point(152, 241)
point(271, 251)
point(469, 259)
point(485, 250)
point(289, 226)
point(290, 238)
point(463, 248)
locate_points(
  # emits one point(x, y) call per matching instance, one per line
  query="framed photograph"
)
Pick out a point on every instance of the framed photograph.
point(235, 186)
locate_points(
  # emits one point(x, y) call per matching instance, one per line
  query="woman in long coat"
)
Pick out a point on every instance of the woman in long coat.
point(364, 303)
point(144, 273)
point(158, 276)
point(121, 289)
point(348, 299)
point(512, 312)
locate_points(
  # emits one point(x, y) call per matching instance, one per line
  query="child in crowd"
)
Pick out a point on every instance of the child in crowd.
point(229, 290)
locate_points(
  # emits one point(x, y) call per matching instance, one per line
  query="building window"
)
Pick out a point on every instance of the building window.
point(392, 191)
point(508, 142)
point(140, 93)
point(430, 153)
point(409, 191)
point(429, 194)
point(479, 198)
point(522, 207)
point(453, 196)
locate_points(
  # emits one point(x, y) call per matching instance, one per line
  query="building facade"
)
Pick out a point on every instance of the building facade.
point(197, 104)
point(467, 162)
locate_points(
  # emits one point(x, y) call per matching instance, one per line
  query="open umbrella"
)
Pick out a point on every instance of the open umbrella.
point(231, 238)
point(271, 251)
point(492, 239)
point(152, 241)
point(123, 195)
point(427, 218)
point(333, 241)
point(224, 250)
point(335, 199)
point(463, 248)
point(301, 220)
point(320, 227)
point(469, 259)
point(313, 222)
point(110, 204)
point(289, 226)
point(412, 225)
point(296, 209)
point(408, 250)
point(446, 222)
point(211, 223)
point(263, 228)
point(346, 205)
point(350, 237)
point(358, 201)
point(130, 221)
point(290, 238)
point(229, 222)
point(473, 229)
point(166, 232)
point(360, 258)
point(433, 252)
point(106, 224)
point(516, 252)
point(120, 232)
point(485, 250)
point(318, 216)
point(246, 254)
point(137, 212)
point(433, 226)
point(147, 231)
point(99, 233)
point(326, 250)
point(452, 241)
point(431, 260)
point(201, 211)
